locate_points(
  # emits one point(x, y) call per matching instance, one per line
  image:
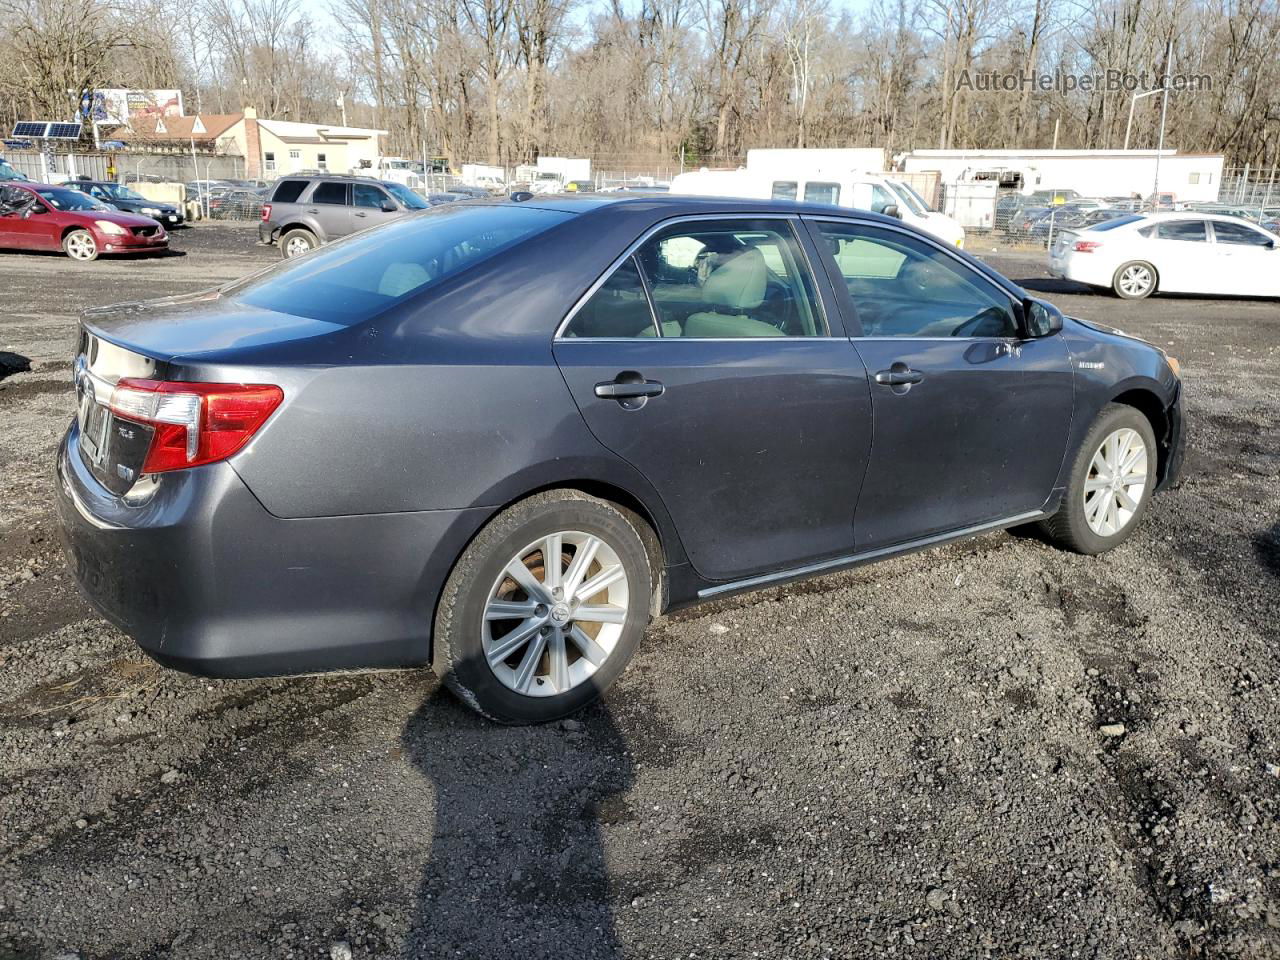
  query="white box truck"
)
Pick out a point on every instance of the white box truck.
point(822, 184)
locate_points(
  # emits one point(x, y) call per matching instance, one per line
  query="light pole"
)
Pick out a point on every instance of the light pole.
point(1132, 102)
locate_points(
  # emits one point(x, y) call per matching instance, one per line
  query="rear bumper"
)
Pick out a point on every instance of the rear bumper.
point(266, 233)
point(206, 580)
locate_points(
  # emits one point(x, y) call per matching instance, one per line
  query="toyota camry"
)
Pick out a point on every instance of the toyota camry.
point(498, 437)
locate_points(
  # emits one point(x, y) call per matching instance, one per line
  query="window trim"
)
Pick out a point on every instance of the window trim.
point(791, 218)
point(1015, 304)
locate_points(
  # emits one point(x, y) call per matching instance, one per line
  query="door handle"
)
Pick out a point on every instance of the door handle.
point(899, 375)
point(312, 210)
point(361, 214)
point(629, 389)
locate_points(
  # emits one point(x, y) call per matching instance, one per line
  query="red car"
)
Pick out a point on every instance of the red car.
point(37, 216)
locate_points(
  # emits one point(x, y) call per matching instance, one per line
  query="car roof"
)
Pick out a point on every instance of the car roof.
point(1195, 215)
point(675, 205)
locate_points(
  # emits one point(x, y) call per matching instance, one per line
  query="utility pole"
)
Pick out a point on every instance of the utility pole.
point(1164, 111)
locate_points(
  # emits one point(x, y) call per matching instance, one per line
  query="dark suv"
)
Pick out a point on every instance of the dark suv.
point(305, 212)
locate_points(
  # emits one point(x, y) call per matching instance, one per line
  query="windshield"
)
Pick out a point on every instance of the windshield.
point(408, 198)
point(365, 274)
point(908, 196)
point(1117, 222)
point(69, 200)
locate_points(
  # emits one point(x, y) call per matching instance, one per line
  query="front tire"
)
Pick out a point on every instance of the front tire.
point(545, 608)
point(80, 245)
point(1111, 482)
point(1135, 280)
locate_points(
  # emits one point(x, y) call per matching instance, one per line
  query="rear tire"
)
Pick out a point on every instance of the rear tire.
point(1134, 280)
point(297, 242)
point(544, 642)
point(80, 245)
point(1104, 505)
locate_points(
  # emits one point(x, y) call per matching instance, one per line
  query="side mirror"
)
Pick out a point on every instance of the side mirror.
point(1040, 318)
point(388, 207)
point(891, 210)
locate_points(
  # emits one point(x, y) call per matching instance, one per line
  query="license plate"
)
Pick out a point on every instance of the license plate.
point(173, 219)
point(93, 417)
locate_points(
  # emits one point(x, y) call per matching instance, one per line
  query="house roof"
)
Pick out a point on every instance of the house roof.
point(292, 132)
point(202, 126)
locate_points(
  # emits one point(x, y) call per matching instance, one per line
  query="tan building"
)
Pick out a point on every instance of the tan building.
point(270, 148)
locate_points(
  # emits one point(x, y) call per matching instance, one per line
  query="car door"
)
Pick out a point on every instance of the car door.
point(1249, 258)
point(1184, 259)
point(330, 205)
point(706, 361)
point(970, 419)
point(371, 206)
point(38, 227)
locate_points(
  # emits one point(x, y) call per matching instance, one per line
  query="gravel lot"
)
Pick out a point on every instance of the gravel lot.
point(906, 760)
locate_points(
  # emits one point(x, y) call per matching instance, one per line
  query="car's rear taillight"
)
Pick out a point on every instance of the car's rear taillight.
point(266, 212)
point(1086, 246)
point(194, 423)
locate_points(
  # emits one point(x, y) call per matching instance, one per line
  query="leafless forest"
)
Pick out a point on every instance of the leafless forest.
point(643, 81)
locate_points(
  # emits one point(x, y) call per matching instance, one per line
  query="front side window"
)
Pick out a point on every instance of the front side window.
point(727, 279)
point(881, 198)
point(1238, 233)
point(330, 192)
point(619, 308)
point(361, 276)
point(784, 189)
point(1188, 230)
point(366, 195)
point(822, 193)
point(901, 286)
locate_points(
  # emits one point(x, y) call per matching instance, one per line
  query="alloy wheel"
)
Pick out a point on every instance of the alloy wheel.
point(555, 614)
point(1116, 482)
point(1135, 280)
point(296, 247)
point(80, 246)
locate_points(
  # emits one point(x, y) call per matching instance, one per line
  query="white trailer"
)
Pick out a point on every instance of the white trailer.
point(1091, 173)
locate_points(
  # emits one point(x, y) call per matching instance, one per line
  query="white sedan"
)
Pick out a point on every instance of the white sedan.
point(1140, 254)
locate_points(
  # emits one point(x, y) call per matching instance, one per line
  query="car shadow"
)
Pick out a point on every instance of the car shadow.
point(11, 363)
point(1055, 285)
point(1266, 544)
point(517, 866)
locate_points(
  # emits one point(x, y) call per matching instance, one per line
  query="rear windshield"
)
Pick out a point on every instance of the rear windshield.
point(361, 276)
point(1117, 222)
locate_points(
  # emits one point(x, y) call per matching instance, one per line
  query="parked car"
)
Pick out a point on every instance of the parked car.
point(8, 173)
point(305, 212)
point(1137, 255)
point(238, 203)
point(40, 216)
point(497, 437)
point(1020, 225)
point(122, 198)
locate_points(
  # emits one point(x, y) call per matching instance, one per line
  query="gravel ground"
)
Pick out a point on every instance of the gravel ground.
point(990, 750)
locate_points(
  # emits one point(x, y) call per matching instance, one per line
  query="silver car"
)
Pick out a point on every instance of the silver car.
point(307, 211)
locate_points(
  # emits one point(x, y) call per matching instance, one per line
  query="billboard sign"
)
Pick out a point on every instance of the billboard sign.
point(119, 106)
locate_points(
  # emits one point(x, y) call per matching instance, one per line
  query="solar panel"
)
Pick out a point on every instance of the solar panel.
point(64, 131)
point(29, 128)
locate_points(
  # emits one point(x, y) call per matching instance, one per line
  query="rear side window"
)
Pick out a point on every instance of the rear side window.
point(729, 279)
point(822, 192)
point(618, 309)
point(1192, 230)
point(330, 192)
point(288, 191)
point(357, 278)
